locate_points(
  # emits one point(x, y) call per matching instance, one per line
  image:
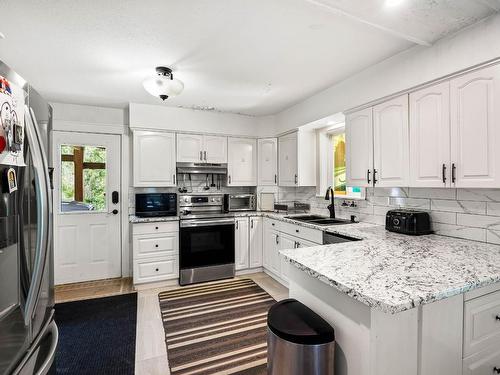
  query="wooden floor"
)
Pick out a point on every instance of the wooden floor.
point(150, 352)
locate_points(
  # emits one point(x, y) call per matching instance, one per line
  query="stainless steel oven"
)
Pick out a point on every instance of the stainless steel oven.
point(206, 239)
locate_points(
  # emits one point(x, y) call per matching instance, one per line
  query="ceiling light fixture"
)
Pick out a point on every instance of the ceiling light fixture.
point(163, 85)
point(393, 3)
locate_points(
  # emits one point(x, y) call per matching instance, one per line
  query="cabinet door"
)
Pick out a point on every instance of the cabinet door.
point(256, 242)
point(391, 143)
point(215, 149)
point(286, 242)
point(430, 136)
point(275, 261)
point(154, 159)
point(189, 148)
point(475, 128)
point(287, 160)
point(268, 162)
point(242, 162)
point(241, 244)
point(359, 148)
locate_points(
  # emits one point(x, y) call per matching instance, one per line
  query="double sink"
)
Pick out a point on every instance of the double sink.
point(318, 220)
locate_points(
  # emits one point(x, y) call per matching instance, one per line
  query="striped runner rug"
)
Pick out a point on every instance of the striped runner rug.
point(218, 328)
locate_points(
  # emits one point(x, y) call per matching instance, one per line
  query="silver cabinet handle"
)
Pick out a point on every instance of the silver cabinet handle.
point(201, 155)
point(229, 178)
point(251, 223)
point(275, 178)
point(174, 178)
point(205, 153)
point(237, 224)
point(296, 180)
point(277, 239)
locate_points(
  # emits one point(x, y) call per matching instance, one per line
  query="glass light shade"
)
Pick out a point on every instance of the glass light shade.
point(163, 85)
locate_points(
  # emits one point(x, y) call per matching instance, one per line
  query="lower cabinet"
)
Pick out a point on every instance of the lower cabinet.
point(155, 251)
point(277, 236)
point(248, 243)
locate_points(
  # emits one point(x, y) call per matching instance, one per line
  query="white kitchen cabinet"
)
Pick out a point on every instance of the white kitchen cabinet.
point(267, 162)
point(430, 137)
point(189, 148)
point(154, 159)
point(241, 239)
point(215, 149)
point(285, 242)
point(391, 143)
point(297, 159)
point(199, 148)
point(242, 162)
point(256, 242)
point(475, 128)
point(359, 148)
point(271, 260)
point(155, 251)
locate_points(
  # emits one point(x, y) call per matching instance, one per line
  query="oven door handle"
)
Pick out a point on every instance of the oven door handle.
point(205, 223)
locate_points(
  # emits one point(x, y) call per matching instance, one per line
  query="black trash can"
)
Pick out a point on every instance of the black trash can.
point(299, 341)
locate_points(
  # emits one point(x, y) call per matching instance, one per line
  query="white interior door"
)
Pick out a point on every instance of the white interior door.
point(87, 243)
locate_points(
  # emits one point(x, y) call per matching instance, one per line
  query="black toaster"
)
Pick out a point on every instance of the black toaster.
point(408, 222)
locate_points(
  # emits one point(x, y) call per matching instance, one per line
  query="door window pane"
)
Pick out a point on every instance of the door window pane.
point(83, 178)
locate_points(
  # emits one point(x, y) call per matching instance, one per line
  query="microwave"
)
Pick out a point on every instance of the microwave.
point(156, 204)
point(240, 202)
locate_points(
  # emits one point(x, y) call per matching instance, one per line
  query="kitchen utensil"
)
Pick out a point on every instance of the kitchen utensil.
point(206, 187)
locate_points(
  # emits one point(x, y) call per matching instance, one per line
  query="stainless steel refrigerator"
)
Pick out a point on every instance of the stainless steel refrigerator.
point(28, 333)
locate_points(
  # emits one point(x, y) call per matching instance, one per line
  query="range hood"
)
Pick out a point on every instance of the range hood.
point(201, 168)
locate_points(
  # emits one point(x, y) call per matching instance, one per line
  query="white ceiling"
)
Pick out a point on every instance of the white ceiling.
point(255, 57)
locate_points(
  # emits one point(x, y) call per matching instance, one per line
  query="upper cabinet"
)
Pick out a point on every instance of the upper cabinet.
point(154, 159)
point(242, 162)
point(391, 143)
point(359, 148)
point(267, 162)
point(430, 137)
point(297, 159)
point(475, 128)
point(197, 148)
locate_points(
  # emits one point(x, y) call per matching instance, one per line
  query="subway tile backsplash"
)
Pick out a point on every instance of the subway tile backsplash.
point(464, 213)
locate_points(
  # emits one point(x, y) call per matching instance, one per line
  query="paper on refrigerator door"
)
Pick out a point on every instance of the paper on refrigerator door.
point(12, 99)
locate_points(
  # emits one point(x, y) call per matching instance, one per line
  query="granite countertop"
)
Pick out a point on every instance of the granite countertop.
point(136, 219)
point(394, 272)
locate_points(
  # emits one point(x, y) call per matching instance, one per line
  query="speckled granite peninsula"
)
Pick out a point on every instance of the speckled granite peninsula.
point(393, 272)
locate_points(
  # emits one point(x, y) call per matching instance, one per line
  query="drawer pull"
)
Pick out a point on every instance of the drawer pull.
point(296, 230)
point(157, 269)
point(156, 245)
point(156, 228)
point(496, 370)
point(497, 317)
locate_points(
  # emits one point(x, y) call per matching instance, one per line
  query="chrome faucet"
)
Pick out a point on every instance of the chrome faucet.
point(331, 207)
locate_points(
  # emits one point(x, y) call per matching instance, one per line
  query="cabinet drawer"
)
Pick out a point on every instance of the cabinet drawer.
point(313, 235)
point(159, 227)
point(482, 323)
point(154, 245)
point(148, 270)
point(485, 363)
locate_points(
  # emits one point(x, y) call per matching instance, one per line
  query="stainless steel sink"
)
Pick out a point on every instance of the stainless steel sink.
point(318, 220)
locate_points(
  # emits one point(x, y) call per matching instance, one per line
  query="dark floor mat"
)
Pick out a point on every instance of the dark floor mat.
point(97, 336)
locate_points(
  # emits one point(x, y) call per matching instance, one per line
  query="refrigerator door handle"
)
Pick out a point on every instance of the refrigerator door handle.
point(45, 367)
point(44, 202)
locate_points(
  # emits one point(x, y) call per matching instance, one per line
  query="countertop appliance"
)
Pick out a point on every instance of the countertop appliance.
point(28, 333)
point(408, 222)
point(156, 204)
point(206, 239)
point(331, 238)
point(240, 202)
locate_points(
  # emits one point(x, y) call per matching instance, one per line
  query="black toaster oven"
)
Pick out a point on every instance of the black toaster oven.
point(408, 222)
